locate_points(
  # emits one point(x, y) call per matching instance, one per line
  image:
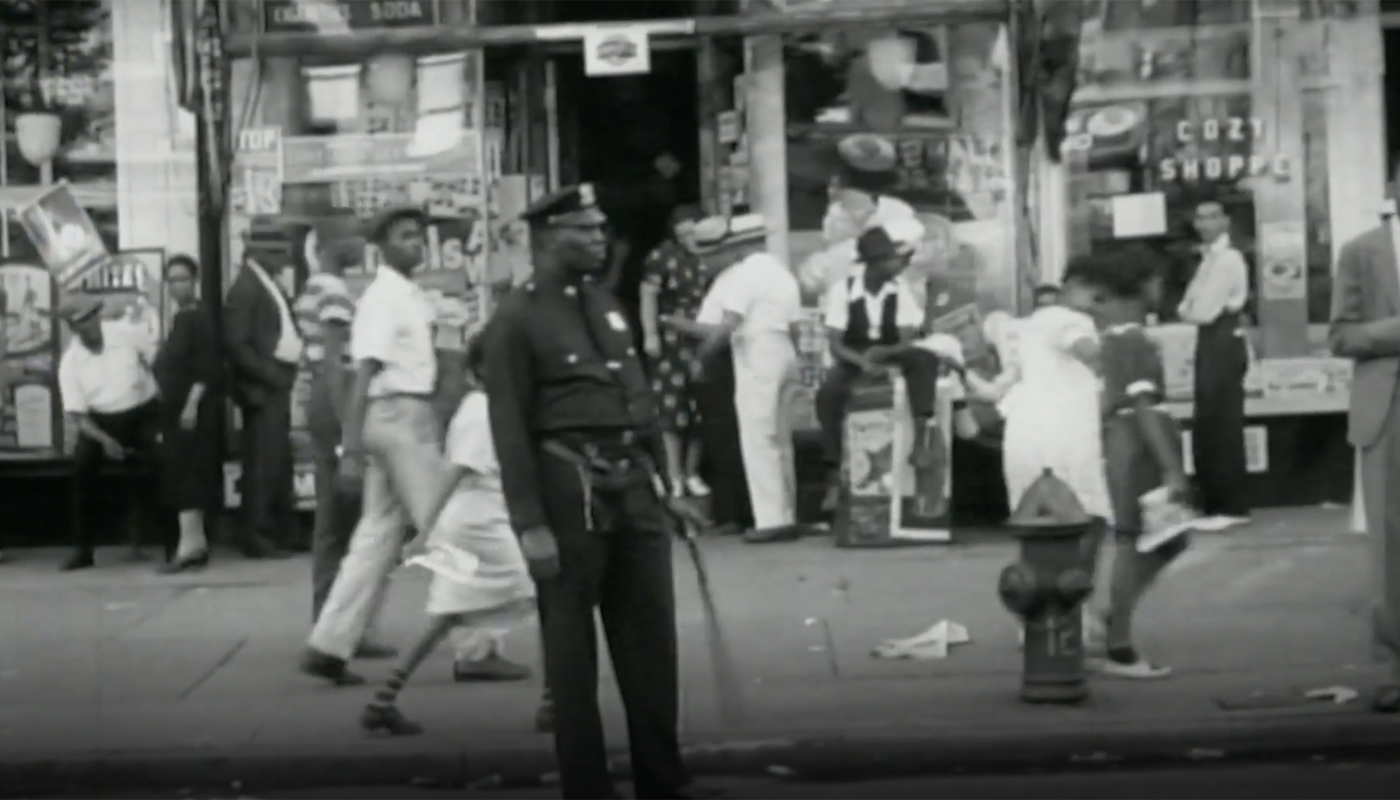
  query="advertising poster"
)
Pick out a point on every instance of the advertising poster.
point(64, 235)
point(131, 285)
point(1283, 257)
point(29, 412)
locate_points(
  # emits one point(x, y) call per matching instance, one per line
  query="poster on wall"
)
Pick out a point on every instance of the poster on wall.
point(1282, 249)
point(28, 361)
point(64, 234)
point(131, 284)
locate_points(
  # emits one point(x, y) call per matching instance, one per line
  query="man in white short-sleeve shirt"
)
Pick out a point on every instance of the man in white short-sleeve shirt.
point(108, 391)
point(872, 320)
point(756, 305)
point(392, 442)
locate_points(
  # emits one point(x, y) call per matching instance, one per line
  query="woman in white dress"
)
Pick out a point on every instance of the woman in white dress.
point(480, 583)
point(1049, 398)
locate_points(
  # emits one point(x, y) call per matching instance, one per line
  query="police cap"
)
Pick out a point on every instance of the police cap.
point(573, 206)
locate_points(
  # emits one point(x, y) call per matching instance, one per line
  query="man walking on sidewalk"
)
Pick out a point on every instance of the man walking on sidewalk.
point(1366, 328)
point(392, 445)
point(574, 422)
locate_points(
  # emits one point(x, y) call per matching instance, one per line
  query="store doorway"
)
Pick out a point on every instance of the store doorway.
point(637, 139)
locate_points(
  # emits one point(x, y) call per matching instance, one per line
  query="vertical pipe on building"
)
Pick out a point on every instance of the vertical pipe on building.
point(707, 110)
point(766, 121)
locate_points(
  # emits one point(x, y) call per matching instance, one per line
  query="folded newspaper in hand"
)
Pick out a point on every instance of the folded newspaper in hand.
point(1163, 519)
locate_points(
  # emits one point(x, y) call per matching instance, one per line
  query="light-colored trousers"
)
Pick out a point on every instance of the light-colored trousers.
point(404, 473)
point(762, 365)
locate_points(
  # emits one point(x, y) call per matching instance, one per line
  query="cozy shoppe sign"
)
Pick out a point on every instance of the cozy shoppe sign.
point(1199, 138)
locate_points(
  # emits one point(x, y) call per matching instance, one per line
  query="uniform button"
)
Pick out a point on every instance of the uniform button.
point(570, 291)
point(571, 358)
point(631, 351)
point(614, 365)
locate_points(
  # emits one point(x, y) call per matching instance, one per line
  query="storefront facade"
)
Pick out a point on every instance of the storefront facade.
point(1275, 109)
point(98, 152)
point(340, 109)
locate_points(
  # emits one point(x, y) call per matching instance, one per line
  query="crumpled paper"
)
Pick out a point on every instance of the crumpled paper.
point(931, 645)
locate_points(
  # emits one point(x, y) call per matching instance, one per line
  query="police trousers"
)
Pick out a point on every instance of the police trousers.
point(404, 472)
point(615, 558)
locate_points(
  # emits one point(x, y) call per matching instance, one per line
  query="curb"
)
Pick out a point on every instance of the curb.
point(1351, 733)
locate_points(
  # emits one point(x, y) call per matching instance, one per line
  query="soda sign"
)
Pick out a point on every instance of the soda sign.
point(328, 17)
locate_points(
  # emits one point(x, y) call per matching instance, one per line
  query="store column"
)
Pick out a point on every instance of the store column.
point(766, 123)
point(155, 162)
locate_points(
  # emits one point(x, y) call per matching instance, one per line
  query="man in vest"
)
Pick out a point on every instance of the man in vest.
point(872, 320)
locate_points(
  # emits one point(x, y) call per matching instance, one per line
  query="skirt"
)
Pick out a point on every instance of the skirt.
point(191, 477)
point(476, 561)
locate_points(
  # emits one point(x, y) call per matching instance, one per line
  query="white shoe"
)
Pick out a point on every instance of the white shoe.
point(697, 487)
point(1140, 670)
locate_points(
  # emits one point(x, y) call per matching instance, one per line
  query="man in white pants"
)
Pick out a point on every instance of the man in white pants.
point(756, 305)
point(392, 441)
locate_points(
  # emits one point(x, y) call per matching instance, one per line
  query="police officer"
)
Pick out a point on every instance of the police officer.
point(574, 421)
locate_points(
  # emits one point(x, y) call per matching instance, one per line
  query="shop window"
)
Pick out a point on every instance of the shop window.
point(935, 93)
point(57, 57)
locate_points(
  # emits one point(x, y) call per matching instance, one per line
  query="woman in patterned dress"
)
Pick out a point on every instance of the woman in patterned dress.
point(674, 283)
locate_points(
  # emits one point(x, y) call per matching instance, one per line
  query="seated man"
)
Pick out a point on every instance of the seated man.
point(872, 321)
point(107, 388)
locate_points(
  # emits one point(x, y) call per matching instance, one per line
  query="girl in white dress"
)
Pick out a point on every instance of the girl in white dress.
point(1049, 398)
point(480, 580)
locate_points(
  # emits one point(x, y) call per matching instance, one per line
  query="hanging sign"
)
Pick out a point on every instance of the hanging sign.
point(301, 15)
point(616, 50)
point(64, 235)
point(257, 172)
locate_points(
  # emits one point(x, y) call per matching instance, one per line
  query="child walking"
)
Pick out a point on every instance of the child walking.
point(1141, 452)
point(480, 581)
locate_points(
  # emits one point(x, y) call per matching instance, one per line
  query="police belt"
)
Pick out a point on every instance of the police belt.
point(610, 463)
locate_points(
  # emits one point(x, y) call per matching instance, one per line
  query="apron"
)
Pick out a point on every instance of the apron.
point(761, 365)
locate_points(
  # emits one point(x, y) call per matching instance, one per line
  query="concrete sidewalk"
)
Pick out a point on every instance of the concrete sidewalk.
point(116, 676)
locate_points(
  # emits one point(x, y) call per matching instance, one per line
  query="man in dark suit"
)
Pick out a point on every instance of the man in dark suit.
point(264, 347)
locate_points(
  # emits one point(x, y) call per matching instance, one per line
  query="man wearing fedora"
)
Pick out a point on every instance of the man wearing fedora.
point(756, 306)
point(264, 349)
point(872, 320)
point(107, 388)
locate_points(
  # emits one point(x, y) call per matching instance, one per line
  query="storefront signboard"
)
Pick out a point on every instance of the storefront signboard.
point(257, 176)
point(610, 50)
point(64, 235)
point(28, 362)
point(131, 284)
point(331, 16)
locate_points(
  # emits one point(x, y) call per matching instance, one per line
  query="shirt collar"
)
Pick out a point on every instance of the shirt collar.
point(859, 292)
point(387, 273)
point(1220, 245)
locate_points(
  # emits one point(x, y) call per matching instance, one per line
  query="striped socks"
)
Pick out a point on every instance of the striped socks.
point(389, 693)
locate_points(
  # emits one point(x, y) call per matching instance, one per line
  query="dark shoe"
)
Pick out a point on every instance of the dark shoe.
point(1386, 700)
point(190, 563)
point(387, 720)
point(544, 717)
point(374, 651)
point(79, 560)
point(493, 668)
point(328, 668)
point(261, 549)
point(137, 556)
point(782, 533)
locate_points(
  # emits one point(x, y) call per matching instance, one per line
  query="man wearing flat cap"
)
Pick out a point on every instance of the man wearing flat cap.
point(108, 390)
point(755, 305)
point(264, 348)
point(575, 425)
point(391, 446)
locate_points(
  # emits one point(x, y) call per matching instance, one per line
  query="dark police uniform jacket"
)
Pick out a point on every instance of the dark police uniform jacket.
point(560, 359)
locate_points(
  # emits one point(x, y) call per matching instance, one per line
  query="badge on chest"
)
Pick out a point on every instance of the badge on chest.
point(617, 322)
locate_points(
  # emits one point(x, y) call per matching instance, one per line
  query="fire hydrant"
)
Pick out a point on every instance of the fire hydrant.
point(1046, 588)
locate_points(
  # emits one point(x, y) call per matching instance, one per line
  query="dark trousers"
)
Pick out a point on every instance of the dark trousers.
point(138, 431)
point(1217, 432)
point(920, 370)
point(269, 504)
point(719, 436)
point(623, 572)
point(337, 513)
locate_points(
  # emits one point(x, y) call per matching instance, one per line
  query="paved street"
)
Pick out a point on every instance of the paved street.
point(120, 676)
